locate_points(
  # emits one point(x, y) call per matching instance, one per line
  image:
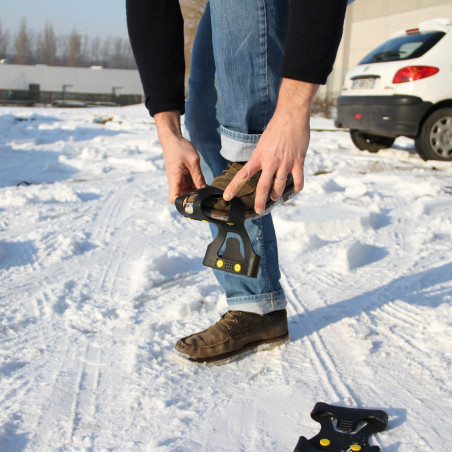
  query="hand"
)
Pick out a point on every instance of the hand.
point(182, 168)
point(182, 161)
point(282, 148)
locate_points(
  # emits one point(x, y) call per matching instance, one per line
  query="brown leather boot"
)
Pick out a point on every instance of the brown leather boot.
point(235, 333)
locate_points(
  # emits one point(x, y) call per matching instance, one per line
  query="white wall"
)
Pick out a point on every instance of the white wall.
point(83, 80)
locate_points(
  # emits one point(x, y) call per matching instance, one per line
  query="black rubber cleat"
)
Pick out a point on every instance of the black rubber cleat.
point(231, 260)
point(343, 429)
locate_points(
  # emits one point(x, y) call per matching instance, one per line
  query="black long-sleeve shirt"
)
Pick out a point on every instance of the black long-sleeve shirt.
point(157, 38)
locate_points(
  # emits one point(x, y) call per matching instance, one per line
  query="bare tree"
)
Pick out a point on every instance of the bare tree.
point(131, 64)
point(95, 52)
point(85, 58)
point(192, 11)
point(106, 52)
point(119, 54)
point(23, 44)
point(4, 42)
point(47, 46)
point(74, 49)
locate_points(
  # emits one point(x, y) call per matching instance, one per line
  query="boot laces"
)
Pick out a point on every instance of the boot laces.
point(229, 319)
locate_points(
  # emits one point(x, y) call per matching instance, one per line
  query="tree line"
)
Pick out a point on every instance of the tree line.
point(27, 46)
point(75, 50)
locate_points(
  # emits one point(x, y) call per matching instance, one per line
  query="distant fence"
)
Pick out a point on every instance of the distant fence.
point(30, 85)
point(59, 98)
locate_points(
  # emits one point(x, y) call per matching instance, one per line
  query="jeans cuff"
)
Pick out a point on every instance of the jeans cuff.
point(237, 146)
point(259, 303)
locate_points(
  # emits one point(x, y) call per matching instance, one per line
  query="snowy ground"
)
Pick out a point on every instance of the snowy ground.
point(99, 276)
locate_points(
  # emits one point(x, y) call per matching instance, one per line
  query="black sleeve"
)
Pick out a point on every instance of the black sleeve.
point(157, 39)
point(156, 31)
point(315, 31)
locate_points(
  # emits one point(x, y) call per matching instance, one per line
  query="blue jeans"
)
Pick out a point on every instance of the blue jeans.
point(233, 89)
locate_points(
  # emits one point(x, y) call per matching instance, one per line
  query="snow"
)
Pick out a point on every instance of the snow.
point(99, 276)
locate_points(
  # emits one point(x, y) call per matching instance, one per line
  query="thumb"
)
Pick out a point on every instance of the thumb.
point(197, 177)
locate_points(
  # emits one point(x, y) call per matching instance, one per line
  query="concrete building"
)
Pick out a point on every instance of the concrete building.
point(369, 23)
point(76, 86)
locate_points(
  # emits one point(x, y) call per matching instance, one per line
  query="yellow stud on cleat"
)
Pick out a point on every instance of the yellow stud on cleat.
point(220, 263)
point(325, 442)
point(237, 268)
point(355, 447)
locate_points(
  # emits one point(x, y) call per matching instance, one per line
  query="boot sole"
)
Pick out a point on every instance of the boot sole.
point(231, 356)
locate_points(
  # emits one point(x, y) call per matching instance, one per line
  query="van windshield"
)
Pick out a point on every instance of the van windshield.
point(404, 47)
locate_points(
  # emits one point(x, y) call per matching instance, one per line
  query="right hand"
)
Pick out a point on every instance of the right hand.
point(282, 148)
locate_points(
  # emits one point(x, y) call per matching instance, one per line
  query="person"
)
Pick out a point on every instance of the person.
point(255, 69)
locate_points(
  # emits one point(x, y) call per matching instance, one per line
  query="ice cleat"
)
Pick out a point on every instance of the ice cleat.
point(343, 429)
point(216, 208)
point(230, 258)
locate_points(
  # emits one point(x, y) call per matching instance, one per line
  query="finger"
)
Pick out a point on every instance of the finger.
point(298, 179)
point(263, 188)
point(174, 192)
point(197, 177)
point(172, 196)
point(239, 180)
point(177, 185)
point(278, 187)
point(195, 173)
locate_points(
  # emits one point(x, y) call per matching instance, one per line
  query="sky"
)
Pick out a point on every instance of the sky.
point(90, 17)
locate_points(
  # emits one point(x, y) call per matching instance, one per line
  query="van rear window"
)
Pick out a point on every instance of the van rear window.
point(404, 47)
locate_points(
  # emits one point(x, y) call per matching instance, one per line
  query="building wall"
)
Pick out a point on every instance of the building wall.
point(75, 80)
point(370, 22)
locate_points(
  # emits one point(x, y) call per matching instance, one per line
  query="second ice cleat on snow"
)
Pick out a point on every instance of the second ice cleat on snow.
point(229, 258)
point(343, 429)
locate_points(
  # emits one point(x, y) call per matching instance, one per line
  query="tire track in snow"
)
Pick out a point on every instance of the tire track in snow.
point(106, 219)
point(342, 385)
point(103, 290)
point(318, 354)
point(330, 384)
point(392, 370)
point(111, 216)
point(51, 407)
point(73, 418)
point(29, 342)
point(101, 263)
point(29, 282)
point(60, 405)
point(85, 418)
point(404, 327)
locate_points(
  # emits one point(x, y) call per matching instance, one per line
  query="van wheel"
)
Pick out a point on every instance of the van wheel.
point(434, 141)
point(371, 143)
